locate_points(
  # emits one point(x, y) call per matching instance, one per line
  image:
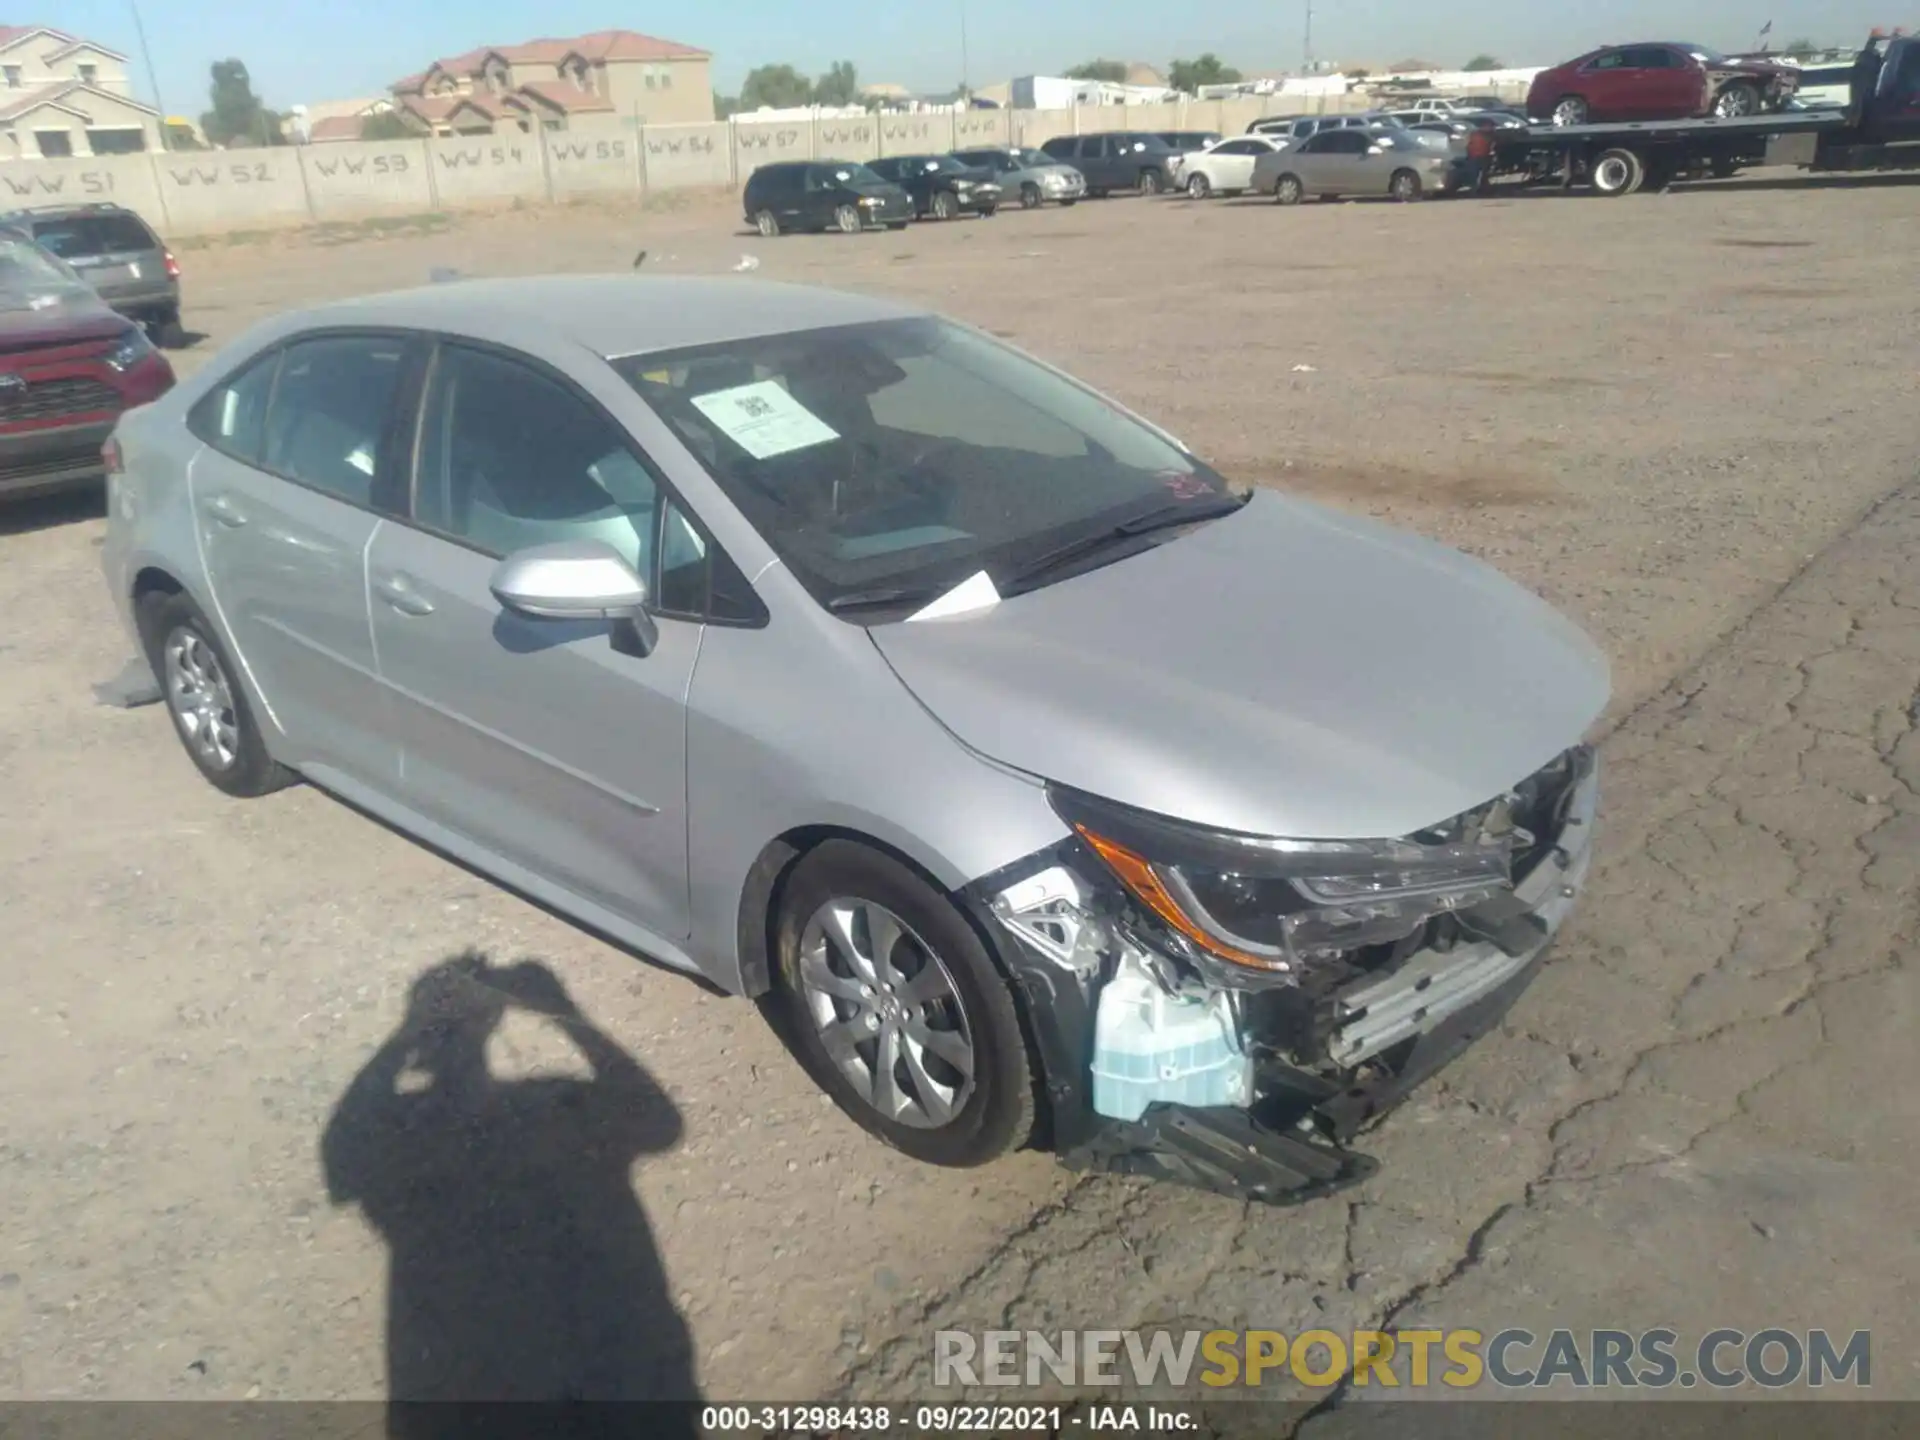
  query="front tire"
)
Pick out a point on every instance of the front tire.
point(846, 219)
point(1029, 196)
point(1149, 183)
point(1198, 187)
point(944, 207)
point(893, 1005)
point(1404, 186)
point(1736, 101)
point(767, 223)
point(1570, 111)
point(206, 701)
point(1289, 191)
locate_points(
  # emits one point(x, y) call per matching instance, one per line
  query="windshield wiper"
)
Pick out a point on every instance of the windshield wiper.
point(1161, 517)
point(883, 598)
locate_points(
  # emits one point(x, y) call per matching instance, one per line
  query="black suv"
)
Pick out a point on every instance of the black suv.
point(823, 195)
point(1118, 160)
point(117, 253)
point(942, 186)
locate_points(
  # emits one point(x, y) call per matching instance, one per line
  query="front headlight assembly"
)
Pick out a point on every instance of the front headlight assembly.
point(131, 349)
point(1276, 907)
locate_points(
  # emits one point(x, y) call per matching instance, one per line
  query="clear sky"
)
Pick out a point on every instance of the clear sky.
point(341, 48)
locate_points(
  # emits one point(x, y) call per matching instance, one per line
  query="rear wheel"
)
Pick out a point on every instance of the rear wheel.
point(846, 219)
point(1289, 191)
point(204, 697)
point(1570, 111)
point(894, 1006)
point(1198, 187)
point(767, 223)
point(1149, 182)
point(1404, 186)
point(1029, 196)
point(943, 206)
point(1724, 168)
point(1617, 172)
point(166, 329)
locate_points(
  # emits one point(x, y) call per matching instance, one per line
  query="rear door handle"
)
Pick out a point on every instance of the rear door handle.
point(221, 508)
point(398, 591)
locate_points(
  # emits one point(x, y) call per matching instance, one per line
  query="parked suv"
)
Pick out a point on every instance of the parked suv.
point(1118, 160)
point(68, 367)
point(1034, 176)
point(823, 195)
point(118, 254)
point(942, 186)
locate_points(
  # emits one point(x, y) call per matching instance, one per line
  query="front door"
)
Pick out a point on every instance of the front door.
point(283, 499)
point(533, 738)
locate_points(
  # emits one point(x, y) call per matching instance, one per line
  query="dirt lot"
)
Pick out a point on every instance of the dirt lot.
point(1680, 418)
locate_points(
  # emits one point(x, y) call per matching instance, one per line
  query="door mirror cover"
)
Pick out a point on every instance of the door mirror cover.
point(569, 580)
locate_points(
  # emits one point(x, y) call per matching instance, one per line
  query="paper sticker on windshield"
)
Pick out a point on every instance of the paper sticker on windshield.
point(764, 420)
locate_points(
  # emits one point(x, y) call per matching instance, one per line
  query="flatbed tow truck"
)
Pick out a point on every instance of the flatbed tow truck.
point(1878, 130)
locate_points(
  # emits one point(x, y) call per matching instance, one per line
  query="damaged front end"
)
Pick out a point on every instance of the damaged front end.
point(1230, 1012)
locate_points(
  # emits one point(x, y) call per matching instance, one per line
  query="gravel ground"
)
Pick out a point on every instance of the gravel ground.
point(1658, 413)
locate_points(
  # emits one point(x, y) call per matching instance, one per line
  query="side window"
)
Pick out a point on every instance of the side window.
point(330, 409)
point(1608, 60)
point(683, 565)
point(232, 418)
point(510, 458)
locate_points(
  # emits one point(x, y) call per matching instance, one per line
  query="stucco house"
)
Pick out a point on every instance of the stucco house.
point(61, 95)
point(611, 79)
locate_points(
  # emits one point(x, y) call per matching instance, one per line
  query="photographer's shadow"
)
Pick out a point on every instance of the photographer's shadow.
point(522, 1266)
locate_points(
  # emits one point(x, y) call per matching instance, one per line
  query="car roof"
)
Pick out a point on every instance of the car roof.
point(609, 315)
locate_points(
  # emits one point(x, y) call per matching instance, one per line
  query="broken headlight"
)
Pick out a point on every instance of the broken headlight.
point(1279, 905)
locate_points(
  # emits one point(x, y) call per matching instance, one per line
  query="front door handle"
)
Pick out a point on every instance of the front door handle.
point(398, 592)
point(222, 509)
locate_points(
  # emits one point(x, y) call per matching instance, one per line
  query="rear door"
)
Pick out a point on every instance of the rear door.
point(536, 739)
point(1231, 164)
point(300, 462)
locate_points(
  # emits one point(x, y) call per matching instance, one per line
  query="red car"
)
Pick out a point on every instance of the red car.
point(69, 364)
point(1658, 81)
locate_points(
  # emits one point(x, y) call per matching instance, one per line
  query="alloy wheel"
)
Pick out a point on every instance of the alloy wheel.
point(887, 1012)
point(201, 699)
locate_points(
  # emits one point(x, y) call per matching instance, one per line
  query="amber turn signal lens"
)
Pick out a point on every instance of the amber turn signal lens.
point(1137, 875)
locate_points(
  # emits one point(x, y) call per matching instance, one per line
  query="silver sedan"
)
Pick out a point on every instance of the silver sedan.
point(842, 655)
point(1353, 162)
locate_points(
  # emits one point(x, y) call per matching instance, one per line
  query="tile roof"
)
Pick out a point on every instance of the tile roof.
point(69, 97)
point(336, 127)
point(565, 96)
point(598, 45)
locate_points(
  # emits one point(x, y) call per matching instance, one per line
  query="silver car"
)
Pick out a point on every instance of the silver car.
point(1035, 176)
point(1354, 162)
point(1048, 788)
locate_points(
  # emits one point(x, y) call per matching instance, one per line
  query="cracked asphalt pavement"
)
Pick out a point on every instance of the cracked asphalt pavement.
point(1686, 420)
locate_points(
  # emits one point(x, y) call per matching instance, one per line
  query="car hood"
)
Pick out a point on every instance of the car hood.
point(1287, 670)
point(55, 315)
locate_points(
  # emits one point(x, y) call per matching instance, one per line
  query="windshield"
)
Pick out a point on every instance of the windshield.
point(911, 454)
point(1032, 157)
point(32, 279)
point(1704, 55)
point(937, 164)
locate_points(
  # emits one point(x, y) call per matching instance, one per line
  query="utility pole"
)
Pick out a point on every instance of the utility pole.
point(152, 79)
point(966, 92)
point(1306, 48)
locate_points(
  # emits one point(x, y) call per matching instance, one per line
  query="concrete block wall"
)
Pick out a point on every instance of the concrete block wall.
point(682, 157)
point(202, 192)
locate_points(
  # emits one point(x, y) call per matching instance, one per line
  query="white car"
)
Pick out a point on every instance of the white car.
point(1226, 166)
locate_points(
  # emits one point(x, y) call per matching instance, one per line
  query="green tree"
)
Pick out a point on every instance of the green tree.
point(237, 117)
point(778, 86)
point(1190, 75)
point(1486, 62)
point(1113, 71)
point(387, 125)
point(724, 105)
point(839, 86)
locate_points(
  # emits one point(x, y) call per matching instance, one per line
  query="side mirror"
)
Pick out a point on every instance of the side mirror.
point(578, 580)
point(1376, 149)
